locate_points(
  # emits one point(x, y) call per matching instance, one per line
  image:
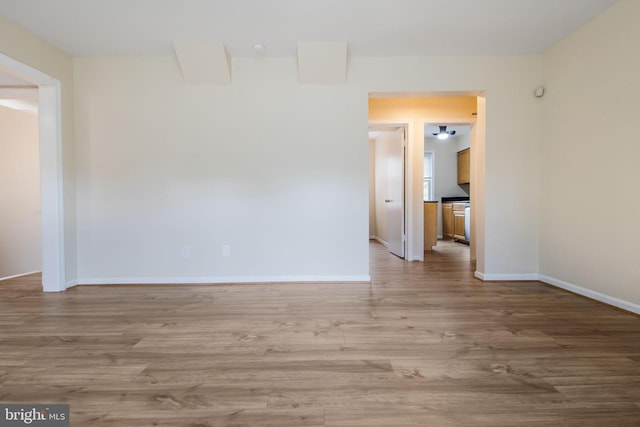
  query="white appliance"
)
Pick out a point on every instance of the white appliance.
point(467, 223)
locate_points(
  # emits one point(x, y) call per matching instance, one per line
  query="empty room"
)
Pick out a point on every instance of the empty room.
point(319, 213)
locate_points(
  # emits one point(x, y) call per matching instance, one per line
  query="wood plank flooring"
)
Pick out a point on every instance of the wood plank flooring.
point(422, 345)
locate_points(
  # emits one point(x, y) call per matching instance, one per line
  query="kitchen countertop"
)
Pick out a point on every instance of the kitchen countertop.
point(455, 199)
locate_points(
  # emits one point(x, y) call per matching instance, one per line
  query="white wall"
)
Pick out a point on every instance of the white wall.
point(445, 171)
point(590, 153)
point(162, 165)
point(463, 141)
point(19, 193)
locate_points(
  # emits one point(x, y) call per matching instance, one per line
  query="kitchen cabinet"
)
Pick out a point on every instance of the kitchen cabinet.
point(458, 225)
point(430, 225)
point(464, 166)
point(453, 221)
point(447, 221)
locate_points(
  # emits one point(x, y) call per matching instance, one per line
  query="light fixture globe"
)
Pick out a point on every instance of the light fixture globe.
point(443, 133)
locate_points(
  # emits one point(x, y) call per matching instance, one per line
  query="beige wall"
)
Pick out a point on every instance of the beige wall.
point(423, 107)
point(19, 193)
point(23, 46)
point(590, 207)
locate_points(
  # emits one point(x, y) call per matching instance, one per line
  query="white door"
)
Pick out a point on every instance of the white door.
point(395, 195)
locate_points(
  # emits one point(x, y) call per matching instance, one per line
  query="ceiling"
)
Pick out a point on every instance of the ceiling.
point(370, 27)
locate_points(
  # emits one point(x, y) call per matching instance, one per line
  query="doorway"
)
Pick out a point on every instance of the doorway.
point(414, 110)
point(450, 181)
point(51, 172)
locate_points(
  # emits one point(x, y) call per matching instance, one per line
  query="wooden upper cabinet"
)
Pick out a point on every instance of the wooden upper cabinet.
point(464, 166)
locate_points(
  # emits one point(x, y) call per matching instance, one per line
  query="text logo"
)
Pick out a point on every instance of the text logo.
point(34, 415)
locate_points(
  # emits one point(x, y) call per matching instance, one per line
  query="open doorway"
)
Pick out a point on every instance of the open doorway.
point(450, 109)
point(51, 171)
point(20, 229)
point(447, 161)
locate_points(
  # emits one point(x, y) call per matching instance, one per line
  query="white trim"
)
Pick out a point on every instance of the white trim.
point(51, 172)
point(19, 275)
point(72, 283)
point(531, 277)
point(455, 121)
point(218, 279)
point(51, 193)
point(616, 302)
point(382, 242)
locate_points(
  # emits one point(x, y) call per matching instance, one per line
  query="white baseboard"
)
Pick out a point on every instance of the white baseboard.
point(212, 280)
point(72, 283)
point(531, 277)
point(19, 275)
point(616, 302)
point(382, 242)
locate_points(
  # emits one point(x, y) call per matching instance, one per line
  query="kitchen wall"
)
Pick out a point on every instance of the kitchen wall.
point(19, 193)
point(589, 152)
point(463, 141)
point(445, 170)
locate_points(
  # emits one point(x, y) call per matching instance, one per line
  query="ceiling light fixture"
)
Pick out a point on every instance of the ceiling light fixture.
point(443, 133)
point(258, 47)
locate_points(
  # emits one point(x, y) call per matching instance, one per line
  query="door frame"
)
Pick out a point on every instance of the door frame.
point(51, 170)
point(408, 228)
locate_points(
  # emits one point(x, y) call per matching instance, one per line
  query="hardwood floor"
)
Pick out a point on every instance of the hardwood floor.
point(422, 345)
